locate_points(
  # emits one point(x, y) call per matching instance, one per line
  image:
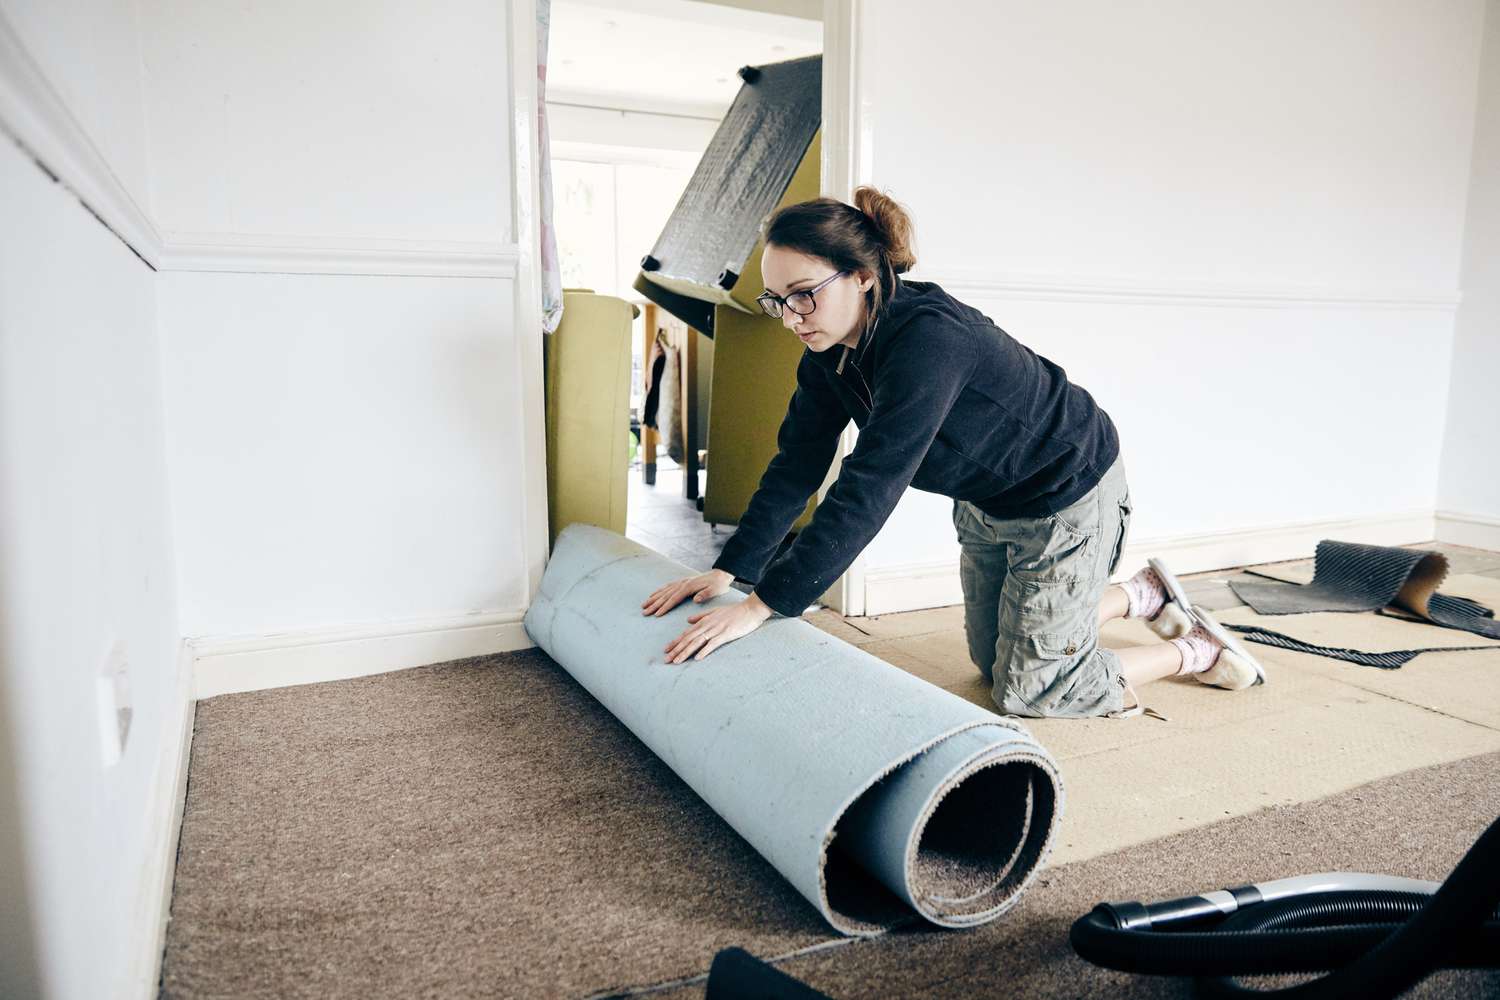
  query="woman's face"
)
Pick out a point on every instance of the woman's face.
point(838, 313)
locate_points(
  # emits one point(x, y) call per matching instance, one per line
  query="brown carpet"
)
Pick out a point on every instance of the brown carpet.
point(1417, 824)
point(485, 828)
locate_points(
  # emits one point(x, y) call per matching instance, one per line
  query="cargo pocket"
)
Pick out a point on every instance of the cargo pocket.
point(1051, 683)
point(1056, 645)
point(1081, 517)
point(1119, 553)
point(970, 524)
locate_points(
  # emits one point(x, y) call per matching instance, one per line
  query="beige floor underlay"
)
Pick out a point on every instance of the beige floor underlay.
point(1317, 727)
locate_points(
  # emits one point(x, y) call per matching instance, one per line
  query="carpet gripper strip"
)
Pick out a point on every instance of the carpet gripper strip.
point(1387, 661)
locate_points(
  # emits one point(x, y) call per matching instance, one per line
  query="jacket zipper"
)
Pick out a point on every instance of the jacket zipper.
point(870, 405)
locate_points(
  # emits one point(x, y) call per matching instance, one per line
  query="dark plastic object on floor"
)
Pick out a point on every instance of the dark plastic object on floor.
point(738, 975)
point(1379, 942)
point(1348, 576)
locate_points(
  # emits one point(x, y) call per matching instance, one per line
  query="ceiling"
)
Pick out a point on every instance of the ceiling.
point(669, 56)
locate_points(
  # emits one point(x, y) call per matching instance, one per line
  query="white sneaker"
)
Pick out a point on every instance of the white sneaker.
point(1174, 618)
point(1234, 669)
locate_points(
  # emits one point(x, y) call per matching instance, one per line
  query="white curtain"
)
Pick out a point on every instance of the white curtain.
point(552, 298)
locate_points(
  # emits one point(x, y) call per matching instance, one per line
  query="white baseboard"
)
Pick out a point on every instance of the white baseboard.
point(229, 665)
point(911, 586)
point(1475, 530)
point(1274, 543)
point(167, 797)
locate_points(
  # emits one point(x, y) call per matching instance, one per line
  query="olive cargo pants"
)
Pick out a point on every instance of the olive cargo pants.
point(1032, 587)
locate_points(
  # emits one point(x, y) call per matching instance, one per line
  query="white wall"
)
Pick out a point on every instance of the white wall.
point(89, 53)
point(345, 446)
point(329, 201)
point(1237, 225)
point(1283, 143)
point(1251, 264)
point(342, 447)
point(373, 121)
point(1470, 486)
point(85, 563)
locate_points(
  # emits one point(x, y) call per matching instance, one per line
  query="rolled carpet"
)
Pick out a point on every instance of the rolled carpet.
point(876, 794)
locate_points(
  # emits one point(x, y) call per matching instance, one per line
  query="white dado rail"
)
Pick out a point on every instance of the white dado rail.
point(34, 116)
point(307, 255)
point(978, 283)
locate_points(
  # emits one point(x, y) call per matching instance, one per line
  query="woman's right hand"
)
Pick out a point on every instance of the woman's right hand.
point(703, 587)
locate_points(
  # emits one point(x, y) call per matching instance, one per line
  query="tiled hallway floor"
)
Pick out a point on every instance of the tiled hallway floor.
point(660, 517)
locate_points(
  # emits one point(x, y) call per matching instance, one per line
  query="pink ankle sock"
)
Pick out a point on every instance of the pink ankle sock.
point(1199, 649)
point(1145, 594)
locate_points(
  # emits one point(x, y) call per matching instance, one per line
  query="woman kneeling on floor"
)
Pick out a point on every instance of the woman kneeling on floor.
point(948, 402)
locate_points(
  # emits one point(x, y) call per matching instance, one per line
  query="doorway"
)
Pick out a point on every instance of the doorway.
point(634, 93)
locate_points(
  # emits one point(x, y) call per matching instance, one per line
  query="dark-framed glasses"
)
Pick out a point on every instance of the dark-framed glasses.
point(800, 302)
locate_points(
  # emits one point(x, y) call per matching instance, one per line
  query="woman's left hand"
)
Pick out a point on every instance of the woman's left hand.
point(716, 626)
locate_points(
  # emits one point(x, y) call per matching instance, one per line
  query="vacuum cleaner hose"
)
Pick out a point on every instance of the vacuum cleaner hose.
point(1379, 942)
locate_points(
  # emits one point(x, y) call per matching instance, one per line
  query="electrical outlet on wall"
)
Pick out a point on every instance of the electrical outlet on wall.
point(112, 688)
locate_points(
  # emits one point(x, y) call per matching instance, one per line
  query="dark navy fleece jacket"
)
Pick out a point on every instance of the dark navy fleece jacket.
point(946, 402)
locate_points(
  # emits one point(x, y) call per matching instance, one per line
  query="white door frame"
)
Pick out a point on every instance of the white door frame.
point(845, 165)
point(527, 325)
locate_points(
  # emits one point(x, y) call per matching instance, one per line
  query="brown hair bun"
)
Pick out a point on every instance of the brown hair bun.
point(893, 224)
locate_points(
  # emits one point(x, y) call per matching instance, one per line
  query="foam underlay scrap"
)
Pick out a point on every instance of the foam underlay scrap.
point(877, 795)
